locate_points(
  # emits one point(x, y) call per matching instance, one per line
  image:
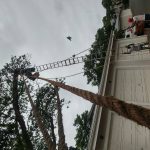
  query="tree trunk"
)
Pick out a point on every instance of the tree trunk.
point(61, 143)
point(39, 120)
point(52, 129)
point(19, 117)
point(19, 141)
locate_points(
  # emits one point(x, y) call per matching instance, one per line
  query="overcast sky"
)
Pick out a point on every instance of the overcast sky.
point(40, 28)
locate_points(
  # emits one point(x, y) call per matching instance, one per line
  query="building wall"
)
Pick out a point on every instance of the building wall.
point(125, 14)
point(130, 78)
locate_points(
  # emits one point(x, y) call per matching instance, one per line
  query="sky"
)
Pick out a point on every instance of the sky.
point(39, 28)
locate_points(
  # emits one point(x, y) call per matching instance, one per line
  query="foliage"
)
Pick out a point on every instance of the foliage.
point(93, 65)
point(82, 124)
point(108, 6)
point(72, 148)
point(10, 132)
point(119, 34)
point(46, 104)
point(45, 100)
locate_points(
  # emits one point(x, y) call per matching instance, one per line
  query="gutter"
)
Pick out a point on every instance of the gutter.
point(98, 110)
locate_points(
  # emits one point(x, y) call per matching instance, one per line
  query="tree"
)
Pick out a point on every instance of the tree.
point(107, 4)
point(94, 62)
point(14, 134)
point(82, 124)
point(13, 104)
point(46, 103)
point(18, 117)
point(72, 148)
point(7, 132)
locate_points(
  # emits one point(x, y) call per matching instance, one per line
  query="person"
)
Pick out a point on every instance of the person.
point(144, 17)
point(132, 25)
point(28, 72)
point(138, 25)
point(139, 28)
point(136, 47)
point(131, 21)
point(34, 76)
point(130, 48)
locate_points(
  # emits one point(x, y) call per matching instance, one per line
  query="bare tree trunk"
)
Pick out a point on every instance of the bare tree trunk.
point(19, 117)
point(19, 136)
point(39, 120)
point(61, 143)
point(52, 129)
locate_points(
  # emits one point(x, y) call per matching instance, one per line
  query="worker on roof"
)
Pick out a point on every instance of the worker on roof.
point(136, 47)
point(139, 28)
point(145, 18)
point(139, 23)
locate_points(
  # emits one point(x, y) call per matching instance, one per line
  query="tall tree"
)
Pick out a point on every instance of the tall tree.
point(82, 124)
point(13, 105)
point(93, 65)
point(94, 62)
point(19, 117)
point(46, 103)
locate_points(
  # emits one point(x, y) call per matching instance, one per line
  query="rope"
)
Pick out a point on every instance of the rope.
point(80, 53)
point(133, 112)
point(72, 75)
